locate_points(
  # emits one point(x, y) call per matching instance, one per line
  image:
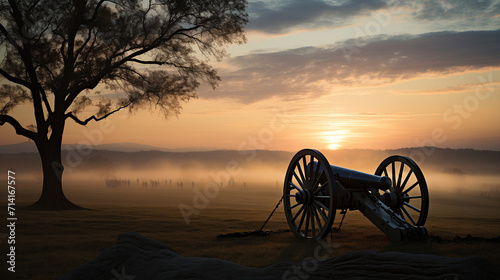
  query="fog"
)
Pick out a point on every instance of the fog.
point(252, 180)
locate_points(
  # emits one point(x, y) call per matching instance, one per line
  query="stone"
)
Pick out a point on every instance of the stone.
point(135, 257)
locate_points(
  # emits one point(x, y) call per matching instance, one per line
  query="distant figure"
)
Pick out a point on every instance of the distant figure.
point(192, 185)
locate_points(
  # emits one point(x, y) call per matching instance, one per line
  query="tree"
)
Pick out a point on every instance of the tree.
point(59, 54)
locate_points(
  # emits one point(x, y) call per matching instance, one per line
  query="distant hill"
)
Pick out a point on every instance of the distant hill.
point(29, 147)
point(142, 157)
point(25, 147)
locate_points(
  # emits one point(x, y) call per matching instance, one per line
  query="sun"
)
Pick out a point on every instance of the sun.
point(335, 138)
point(333, 146)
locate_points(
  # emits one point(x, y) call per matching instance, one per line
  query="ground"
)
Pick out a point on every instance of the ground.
point(50, 244)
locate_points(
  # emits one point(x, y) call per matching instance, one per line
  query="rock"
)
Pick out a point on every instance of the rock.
point(135, 257)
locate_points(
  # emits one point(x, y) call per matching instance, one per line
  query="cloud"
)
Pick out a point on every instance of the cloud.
point(280, 18)
point(310, 72)
point(486, 84)
point(455, 9)
point(401, 56)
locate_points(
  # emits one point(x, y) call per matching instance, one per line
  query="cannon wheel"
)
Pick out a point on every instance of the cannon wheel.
point(308, 195)
point(408, 196)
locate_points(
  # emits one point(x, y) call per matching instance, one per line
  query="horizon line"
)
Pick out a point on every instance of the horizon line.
point(214, 149)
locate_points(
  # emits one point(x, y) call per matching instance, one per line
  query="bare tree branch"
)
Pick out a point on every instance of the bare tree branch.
point(30, 68)
point(15, 79)
point(96, 10)
point(46, 101)
point(86, 121)
point(17, 126)
point(10, 39)
point(73, 92)
point(146, 61)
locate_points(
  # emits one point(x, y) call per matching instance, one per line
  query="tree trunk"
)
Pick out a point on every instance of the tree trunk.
point(52, 197)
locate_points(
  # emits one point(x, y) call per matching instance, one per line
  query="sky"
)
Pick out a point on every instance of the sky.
point(378, 74)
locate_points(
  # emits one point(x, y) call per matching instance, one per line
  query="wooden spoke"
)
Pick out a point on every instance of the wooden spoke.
point(318, 220)
point(398, 184)
point(301, 173)
point(305, 170)
point(321, 205)
point(411, 188)
point(304, 213)
point(409, 216)
point(298, 213)
point(315, 180)
point(295, 186)
point(323, 185)
point(311, 174)
point(412, 207)
point(307, 221)
point(416, 192)
point(291, 207)
point(405, 181)
point(323, 215)
point(400, 213)
point(393, 178)
point(311, 215)
point(301, 183)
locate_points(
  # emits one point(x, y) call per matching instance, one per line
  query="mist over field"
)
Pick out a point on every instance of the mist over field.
point(242, 179)
point(186, 199)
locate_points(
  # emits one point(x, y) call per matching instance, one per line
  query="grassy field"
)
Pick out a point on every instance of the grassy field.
point(50, 244)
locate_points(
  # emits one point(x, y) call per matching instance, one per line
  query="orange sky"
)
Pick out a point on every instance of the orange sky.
point(380, 77)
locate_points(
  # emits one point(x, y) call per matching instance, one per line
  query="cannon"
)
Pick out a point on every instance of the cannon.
point(395, 198)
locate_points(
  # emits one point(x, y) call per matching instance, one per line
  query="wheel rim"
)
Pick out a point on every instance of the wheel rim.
point(408, 195)
point(308, 195)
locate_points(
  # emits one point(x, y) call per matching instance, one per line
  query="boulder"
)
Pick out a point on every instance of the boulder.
point(135, 257)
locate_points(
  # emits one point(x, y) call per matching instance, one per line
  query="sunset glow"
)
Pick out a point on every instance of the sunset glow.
point(336, 138)
point(333, 146)
point(379, 76)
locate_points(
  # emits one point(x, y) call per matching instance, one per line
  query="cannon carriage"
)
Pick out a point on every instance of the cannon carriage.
point(395, 198)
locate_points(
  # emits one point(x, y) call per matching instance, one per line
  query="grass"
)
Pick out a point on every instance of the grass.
point(50, 244)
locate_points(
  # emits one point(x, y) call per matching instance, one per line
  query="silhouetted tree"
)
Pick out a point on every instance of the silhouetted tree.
point(59, 55)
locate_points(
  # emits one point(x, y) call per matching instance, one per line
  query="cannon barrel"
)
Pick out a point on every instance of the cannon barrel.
point(356, 179)
point(352, 179)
